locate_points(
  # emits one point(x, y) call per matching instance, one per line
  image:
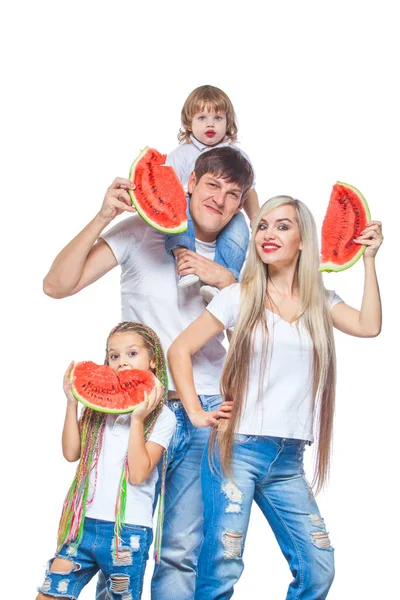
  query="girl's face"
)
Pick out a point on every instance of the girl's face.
point(209, 127)
point(127, 350)
point(278, 237)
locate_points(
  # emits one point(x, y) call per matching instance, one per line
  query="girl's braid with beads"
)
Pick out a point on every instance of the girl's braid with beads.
point(92, 424)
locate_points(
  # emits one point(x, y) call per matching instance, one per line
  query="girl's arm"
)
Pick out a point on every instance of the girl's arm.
point(71, 438)
point(143, 456)
point(203, 329)
point(251, 205)
point(367, 321)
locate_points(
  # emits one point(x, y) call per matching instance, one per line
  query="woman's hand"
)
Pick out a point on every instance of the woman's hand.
point(202, 418)
point(150, 402)
point(67, 385)
point(371, 237)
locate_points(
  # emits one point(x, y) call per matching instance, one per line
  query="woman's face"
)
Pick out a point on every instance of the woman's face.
point(278, 237)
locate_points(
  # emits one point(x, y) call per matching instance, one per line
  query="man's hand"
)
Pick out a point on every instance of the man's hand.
point(117, 199)
point(209, 271)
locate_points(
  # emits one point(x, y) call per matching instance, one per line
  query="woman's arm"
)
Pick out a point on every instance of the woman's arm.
point(367, 321)
point(143, 457)
point(71, 438)
point(203, 329)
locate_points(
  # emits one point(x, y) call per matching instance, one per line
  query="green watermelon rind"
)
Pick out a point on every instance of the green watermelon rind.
point(96, 407)
point(179, 229)
point(330, 267)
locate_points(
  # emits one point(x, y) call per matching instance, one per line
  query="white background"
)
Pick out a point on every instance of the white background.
point(86, 86)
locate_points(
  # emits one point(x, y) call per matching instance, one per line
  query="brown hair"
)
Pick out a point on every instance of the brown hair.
point(210, 97)
point(226, 162)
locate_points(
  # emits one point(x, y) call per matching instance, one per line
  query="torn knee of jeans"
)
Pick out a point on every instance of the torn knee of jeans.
point(122, 556)
point(234, 495)
point(135, 543)
point(119, 584)
point(67, 566)
point(319, 537)
point(232, 541)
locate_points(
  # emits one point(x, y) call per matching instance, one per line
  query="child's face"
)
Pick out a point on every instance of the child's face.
point(209, 127)
point(126, 350)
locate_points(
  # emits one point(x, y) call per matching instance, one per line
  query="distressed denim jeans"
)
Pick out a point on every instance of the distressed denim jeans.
point(174, 577)
point(270, 471)
point(231, 247)
point(123, 571)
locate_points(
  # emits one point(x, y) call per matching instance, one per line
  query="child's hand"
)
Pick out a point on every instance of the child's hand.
point(149, 403)
point(67, 385)
point(372, 238)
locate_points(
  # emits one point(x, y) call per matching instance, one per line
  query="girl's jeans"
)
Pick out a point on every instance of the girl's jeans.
point(270, 471)
point(232, 242)
point(123, 571)
point(174, 578)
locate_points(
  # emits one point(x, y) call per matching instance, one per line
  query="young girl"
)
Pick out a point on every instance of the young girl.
point(280, 379)
point(106, 521)
point(208, 121)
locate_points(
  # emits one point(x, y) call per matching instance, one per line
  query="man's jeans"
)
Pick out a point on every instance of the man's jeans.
point(174, 577)
point(270, 471)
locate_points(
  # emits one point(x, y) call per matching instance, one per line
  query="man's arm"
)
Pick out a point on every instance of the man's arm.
point(85, 259)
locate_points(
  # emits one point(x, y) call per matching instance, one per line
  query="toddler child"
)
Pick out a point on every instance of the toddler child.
point(106, 522)
point(208, 121)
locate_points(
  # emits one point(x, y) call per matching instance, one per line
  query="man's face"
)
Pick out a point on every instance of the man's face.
point(213, 203)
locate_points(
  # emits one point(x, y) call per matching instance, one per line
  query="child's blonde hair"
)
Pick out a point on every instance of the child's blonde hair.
point(212, 98)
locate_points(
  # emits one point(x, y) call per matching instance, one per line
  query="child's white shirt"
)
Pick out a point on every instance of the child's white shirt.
point(182, 159)
point(140, 498)
point(279, 398)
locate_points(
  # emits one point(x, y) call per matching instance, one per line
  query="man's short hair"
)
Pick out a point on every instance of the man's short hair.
point(228, 163)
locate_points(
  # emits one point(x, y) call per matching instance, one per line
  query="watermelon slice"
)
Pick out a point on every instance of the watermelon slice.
point(345, 219)
point(159, 196)
point(104, 390)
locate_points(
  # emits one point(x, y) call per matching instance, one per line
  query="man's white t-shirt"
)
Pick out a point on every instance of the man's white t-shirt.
point(182, 159)
point(150, 295)
point(284, 406)
point(140, 497)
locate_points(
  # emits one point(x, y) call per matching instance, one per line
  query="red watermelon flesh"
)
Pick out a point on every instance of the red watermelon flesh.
point(345, 219)
point(158, 196)
point(104, 390)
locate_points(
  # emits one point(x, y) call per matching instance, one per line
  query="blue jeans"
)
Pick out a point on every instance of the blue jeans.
point(123, 571)
point(232, 242)
point(270, 471)
point(174, 577)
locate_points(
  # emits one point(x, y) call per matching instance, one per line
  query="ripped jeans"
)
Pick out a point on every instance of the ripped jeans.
point(270, 471)
point(123, 572)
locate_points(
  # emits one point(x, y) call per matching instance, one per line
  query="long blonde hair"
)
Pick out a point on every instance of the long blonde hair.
point(315, 315)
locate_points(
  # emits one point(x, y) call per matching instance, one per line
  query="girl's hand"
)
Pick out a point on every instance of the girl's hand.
point(67, 385)
point(210, 419)
point(149, 403)
point(371, 237)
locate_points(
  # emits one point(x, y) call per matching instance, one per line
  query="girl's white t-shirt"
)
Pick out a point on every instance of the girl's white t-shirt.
point(103, 491)
point(282, 405)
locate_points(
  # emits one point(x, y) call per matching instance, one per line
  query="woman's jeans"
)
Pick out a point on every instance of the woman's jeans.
point(174, 577)
point(231, 247)
point(270, 471)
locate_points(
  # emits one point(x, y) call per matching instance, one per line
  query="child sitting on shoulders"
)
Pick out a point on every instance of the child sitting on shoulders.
point(208, 121)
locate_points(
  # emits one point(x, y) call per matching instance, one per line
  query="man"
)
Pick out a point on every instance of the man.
point(149, 295)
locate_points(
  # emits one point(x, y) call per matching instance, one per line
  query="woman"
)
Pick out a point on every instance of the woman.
point(279, 378)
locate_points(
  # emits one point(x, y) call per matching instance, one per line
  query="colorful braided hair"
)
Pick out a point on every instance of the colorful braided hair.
point(92, 424)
